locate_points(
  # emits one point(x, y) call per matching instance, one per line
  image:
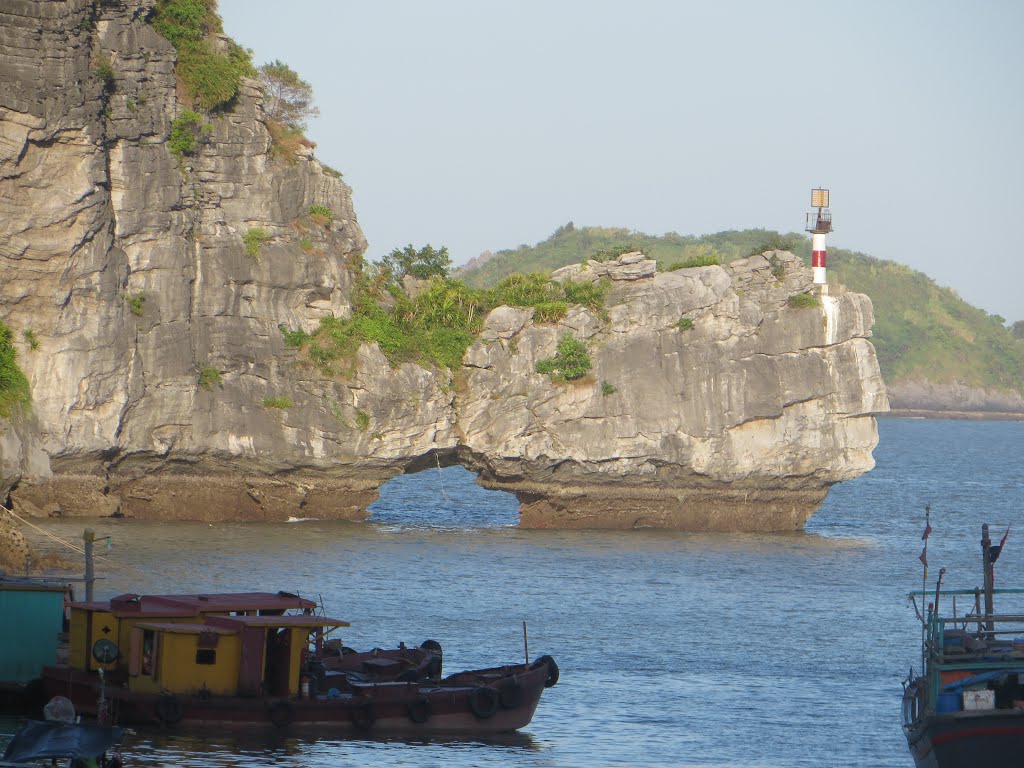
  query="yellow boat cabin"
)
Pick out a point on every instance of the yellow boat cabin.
point(220, 644)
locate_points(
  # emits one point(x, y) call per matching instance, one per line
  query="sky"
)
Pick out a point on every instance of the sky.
point(480, 125)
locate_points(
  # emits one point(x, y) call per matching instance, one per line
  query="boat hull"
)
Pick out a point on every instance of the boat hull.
point(495, 700)
point(987, 739)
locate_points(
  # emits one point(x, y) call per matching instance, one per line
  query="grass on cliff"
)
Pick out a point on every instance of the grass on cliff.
point(14, 388)
point(437, 326)
point(922, 330)
point(209, 76)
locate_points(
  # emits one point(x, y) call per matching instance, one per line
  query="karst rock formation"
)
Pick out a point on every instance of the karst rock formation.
point(712, 404)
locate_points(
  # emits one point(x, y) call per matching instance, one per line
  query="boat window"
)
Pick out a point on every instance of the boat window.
point(206, 656)
point(148, 651)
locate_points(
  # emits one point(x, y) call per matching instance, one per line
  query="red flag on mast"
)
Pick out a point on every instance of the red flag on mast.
point(924, 556)
point(927, 531)
point(995, 551)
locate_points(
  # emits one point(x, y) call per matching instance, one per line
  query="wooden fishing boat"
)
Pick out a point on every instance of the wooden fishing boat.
point(262, 659)
point(966, 709)
point(402, 664)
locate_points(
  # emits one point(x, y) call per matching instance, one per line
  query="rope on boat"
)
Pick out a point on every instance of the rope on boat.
point(36, 528)
point(73, 548)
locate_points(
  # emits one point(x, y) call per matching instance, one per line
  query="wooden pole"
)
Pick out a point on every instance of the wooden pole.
point(924, 584)
point(977, 608)
point(89, 537)
point(986, 559)
point(526, 645)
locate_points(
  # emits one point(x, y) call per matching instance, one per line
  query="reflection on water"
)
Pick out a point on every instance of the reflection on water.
point(270, 747)
point(675, 649)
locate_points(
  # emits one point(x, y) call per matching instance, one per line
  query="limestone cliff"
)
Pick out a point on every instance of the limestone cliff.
point(162, 386)
point(738, 418)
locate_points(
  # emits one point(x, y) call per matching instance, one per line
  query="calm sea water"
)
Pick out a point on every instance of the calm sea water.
point(675, 649)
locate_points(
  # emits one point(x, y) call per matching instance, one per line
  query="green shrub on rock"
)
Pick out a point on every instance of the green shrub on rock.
point(362, 420)
point(136, 302)
point(210, 76)
point(104, 72)
point(254, 239)
point(209, 377)
point(186, 130)
point(571, 360)
point(14, 388)
point(803, 301)
point(706, 260)
point(277, 402)
point(589, 295)
point(550, 311)
point(321, 214)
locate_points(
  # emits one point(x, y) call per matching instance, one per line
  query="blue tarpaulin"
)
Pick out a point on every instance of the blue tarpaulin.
point(958, 686)
point(40, 740)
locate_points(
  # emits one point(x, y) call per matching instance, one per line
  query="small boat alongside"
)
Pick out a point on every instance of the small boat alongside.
point(61, 736)
point(38, 742)
point(265, 659)
point(966, 708)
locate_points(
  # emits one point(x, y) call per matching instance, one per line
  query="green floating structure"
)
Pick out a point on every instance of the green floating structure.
point(32, 619)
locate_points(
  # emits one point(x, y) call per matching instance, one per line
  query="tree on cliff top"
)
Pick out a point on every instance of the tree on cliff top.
point(424, 263)
point(208, 69)
point(289, 98)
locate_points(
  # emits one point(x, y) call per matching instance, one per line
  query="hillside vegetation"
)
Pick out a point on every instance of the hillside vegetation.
point(922, 330)
point(436, 325)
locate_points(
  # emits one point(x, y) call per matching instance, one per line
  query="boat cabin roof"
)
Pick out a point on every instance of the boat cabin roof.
point(29, 585)
point(187, 629)
point(193, 605)
point(278, 622)
point(231, 625)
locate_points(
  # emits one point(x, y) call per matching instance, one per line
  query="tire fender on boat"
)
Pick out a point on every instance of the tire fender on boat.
point(281, 713)
point(483, 702)
point(552, 670)
point(419, 711)
point(363, 716)
point(168, 709)
point(432, 645)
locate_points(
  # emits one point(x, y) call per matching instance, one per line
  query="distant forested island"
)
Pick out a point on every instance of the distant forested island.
point(924, 334)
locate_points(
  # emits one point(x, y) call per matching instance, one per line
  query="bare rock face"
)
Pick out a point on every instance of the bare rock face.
point(163, 388)
point(740, 418)
point(21, 454)
point(128, 265)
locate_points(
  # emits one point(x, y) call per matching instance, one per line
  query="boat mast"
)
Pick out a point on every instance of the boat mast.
point(989, 571)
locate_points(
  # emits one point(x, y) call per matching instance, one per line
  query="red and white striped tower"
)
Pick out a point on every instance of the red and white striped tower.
point(819, 224)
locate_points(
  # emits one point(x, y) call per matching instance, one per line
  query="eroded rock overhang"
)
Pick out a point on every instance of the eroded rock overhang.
point(740, 419)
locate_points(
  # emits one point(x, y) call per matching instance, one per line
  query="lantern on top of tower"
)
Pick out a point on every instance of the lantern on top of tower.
point(819, 224)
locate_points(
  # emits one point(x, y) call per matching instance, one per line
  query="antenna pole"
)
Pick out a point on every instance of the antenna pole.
point(90, 578)
point(526, 645)
point(986, 559)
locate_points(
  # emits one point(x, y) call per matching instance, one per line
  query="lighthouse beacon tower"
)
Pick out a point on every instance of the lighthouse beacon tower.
point(819, 224)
